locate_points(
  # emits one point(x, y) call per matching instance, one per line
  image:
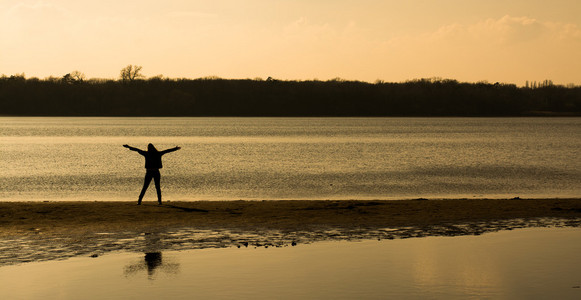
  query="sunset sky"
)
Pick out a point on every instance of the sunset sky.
point(495, 40)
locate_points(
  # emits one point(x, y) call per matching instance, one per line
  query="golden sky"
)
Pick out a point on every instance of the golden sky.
point(470, 40)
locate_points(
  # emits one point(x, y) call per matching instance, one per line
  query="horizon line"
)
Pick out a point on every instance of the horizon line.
point(431, 79)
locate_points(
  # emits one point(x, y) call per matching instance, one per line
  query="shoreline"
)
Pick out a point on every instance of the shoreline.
point(16, 218)
point(36, 231)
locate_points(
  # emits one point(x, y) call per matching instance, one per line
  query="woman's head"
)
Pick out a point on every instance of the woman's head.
point(151, 148)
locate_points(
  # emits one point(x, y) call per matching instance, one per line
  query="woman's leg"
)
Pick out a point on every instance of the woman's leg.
point(156, 179)
point(146, 181)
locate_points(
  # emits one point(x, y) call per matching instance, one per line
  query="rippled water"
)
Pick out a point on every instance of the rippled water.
point(292, 158)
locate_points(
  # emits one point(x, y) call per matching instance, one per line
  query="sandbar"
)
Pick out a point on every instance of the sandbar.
point(44, 230)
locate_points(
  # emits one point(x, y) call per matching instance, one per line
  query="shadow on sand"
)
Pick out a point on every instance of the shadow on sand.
point(186, 209)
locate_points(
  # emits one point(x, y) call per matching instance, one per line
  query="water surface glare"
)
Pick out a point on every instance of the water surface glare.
point(519, 264)
point(292, 158)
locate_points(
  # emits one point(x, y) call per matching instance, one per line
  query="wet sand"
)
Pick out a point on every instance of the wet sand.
point(33, 231)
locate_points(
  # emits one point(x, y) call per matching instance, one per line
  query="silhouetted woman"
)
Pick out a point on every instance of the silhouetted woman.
point(152, 164)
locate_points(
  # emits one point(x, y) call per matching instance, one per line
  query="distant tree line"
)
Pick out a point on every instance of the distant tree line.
point(74, 95)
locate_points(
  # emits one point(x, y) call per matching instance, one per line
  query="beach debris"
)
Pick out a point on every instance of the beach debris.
point(293, 243)
point(94, 255)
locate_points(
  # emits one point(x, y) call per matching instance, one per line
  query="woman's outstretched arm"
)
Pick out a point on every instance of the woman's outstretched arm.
point(176, 148)
point(133, 149)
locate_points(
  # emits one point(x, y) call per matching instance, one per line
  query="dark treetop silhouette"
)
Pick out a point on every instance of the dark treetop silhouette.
point(245, 97)
point(152, 164)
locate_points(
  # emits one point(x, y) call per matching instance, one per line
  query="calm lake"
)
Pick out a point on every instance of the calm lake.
point(291, 158)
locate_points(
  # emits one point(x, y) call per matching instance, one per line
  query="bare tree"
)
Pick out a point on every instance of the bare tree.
point(78, 76)
point(130, 73)
point(73, 77)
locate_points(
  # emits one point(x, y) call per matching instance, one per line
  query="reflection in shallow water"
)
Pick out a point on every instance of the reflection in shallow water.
point(153, 261)
point(519, 264)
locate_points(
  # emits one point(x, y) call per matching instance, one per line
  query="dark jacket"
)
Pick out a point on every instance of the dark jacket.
point(153, 158)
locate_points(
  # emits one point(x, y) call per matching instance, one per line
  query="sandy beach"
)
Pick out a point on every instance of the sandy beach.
point(34, 231)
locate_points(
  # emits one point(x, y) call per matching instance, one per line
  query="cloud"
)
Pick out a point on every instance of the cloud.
point(36, 28)
point(505, 31)
point(571, 32)
point(500, 49)
point(304, 31)
point(24, 18)
point(509, 49)
point(510, 29)
point(190, 14)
